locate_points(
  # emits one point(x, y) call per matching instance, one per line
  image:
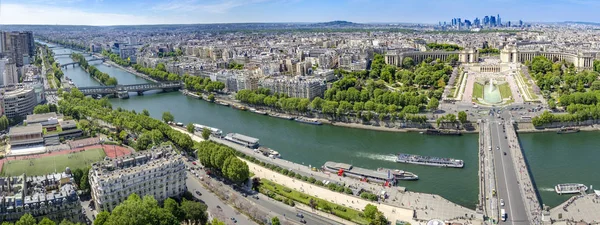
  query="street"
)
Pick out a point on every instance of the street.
point(507, 184)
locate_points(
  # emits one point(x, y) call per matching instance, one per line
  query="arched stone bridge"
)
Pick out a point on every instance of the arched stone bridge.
point(77, 63)
point(121, 90)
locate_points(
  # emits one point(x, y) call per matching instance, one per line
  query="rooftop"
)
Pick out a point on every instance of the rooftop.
point(23, 130)
point(36, 118)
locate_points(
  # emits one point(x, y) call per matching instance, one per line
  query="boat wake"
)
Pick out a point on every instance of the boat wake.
point(546, 189)
point(391, 158)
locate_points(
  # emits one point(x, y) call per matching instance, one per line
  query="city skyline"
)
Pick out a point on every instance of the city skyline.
point(112, 12)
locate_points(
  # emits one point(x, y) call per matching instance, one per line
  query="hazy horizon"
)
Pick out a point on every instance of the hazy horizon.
point(157, 12)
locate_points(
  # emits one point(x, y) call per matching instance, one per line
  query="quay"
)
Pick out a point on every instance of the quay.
point(423, 207)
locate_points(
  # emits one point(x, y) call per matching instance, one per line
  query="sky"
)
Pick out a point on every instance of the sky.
point(132, 12)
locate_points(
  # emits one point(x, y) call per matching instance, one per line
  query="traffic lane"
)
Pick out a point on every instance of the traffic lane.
point(512, 196)
point(212, 201)
point(289, 213)
point(500, 172)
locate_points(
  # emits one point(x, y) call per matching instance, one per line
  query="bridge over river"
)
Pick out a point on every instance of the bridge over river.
point(505, 180)
point(77, 63)
point(122, 91)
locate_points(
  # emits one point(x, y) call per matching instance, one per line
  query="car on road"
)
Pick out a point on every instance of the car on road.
point(234, 220)
point(300, 215)
point(501, 202)
point(504, 153)
point(194, 163)
point(255, 197)
point(497, 147)
point(218, 207)
point(302, 221)
point(198, 193)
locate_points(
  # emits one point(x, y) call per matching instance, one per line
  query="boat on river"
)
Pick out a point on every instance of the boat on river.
point(258, 111)
point(307, 121)
point(269, 152)
point(429, 161)
point(214, 131)
point(570, 188)
point(366, 175)
point(399, 174)
point(244, 140)
point(442, 132)
point(223, 103)
point(282, 116)
point(567, 130)
point(240, 107)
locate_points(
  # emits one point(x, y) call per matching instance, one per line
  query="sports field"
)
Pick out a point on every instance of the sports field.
point(53, 163)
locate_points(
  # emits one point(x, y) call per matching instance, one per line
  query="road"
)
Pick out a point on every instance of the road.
point(273, 208)
point(506, 178)
point(212, 201)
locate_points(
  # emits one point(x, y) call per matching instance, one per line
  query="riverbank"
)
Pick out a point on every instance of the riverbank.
point(130, 70)
point(586, 128)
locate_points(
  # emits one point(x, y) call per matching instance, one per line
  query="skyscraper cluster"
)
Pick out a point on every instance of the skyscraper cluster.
point(486, 22)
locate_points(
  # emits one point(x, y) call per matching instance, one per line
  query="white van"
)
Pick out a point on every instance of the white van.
point(503, 215)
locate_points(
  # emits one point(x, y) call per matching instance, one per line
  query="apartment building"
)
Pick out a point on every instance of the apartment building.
point(53, 196)
point(19, 102)
point(158, 172)
point(298, 87)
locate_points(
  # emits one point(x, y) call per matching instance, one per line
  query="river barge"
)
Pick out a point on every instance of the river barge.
point(240, 107)
point(570, 188)
point(429, 161)
point(258, 111)
point(443, 132)
point(366, 175)
point(399, 174)
point(567, 130)
point(282, 116)
point(243, 140)
point(213, 131)
point(268, 152)
point(223, 103)
point(308, 121)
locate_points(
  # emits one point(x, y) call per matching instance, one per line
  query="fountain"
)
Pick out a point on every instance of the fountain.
point(491, 94)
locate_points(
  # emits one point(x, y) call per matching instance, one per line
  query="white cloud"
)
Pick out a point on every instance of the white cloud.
point(40, 14)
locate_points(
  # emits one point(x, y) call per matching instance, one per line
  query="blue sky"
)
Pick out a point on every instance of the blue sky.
point(119, 12)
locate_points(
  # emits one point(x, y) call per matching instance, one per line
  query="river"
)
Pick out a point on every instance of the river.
point(314, 145)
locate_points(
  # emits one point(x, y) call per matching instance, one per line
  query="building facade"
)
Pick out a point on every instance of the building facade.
point(19, 102)
point(465, 56)
point(52, 196)
point(581, 60)
point(157, 172)
point(297, 87)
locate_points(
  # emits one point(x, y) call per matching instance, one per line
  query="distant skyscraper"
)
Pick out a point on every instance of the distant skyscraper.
point(476, 22)
point(499, 20)
point(520, 23)
point(486, 21)
point(492, 21)
point(508, 24)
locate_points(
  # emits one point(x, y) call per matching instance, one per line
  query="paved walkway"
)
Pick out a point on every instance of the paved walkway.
point(392, 213)
point(578, 208)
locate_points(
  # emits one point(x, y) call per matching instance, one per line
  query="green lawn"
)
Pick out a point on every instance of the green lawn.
point(477, 91)
point(505, 90)
point(338, 210)
point(51, 164)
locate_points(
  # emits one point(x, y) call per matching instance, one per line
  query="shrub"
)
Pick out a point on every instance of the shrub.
point(291, 174)
point(298, 176)
point(312, 180)
point(318, 183)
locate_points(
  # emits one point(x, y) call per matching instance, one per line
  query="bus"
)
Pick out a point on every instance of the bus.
point(503, 215)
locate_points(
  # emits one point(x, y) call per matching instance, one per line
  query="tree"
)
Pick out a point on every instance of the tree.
point(39, 109)
point(4, 123)
point(194, 211)
point(215, 221)
point(433, 104)
point(26, 219)
point(145, 112)
point(370, 211)
point(173, 207)
point(408, 62)
point(235, 169)
point(275, 221)
point(136, 211)
point(190, 128)
point(206, 133)
point(462, 117)
point(168, 117)
point(211, 97)
point(101, 218)
point(46, 221)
